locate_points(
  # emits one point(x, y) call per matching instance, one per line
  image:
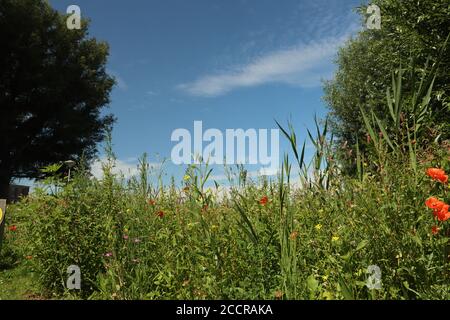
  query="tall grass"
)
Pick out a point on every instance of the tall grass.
point(313, 238)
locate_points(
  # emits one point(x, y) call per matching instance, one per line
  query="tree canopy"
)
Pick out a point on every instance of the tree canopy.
point(53, 87)
point(412, 33)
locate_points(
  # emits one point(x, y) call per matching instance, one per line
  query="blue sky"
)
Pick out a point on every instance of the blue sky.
point(230, 64)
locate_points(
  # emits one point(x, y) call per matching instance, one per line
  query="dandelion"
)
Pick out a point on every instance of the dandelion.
point(12, 228)
point(437, 174)
point(435, 230)
point(186, 178)
point(318, 227)
point(263, 201)
point(335, 238)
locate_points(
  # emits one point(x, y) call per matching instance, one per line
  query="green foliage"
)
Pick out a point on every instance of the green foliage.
point(140, 239)
point(412, 34)
point(53, 86)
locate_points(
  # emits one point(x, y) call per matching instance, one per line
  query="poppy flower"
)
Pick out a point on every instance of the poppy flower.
point(160, 214)
point(442, 214)
point(263, 201)
point(151, 202)
point(437, 174)
point(434, 203)
point(435, 230)
point(12, 228)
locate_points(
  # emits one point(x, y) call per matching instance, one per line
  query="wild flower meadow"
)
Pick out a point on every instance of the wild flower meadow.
point(314, 236)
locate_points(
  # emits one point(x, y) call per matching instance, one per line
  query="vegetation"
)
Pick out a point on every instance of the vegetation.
point(53, 87)
point(411, 34)
point(314, 238)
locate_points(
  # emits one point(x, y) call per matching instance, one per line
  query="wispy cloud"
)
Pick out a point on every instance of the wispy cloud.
point(127, 167)
point(121, 84)
point(303, 65)
point(152, 93)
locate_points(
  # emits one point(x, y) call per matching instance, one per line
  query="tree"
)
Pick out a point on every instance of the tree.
point(411, 33)
point(53, 87)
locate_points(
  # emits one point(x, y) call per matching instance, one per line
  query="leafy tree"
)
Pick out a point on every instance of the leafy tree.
point(53, 87)
point(412, 33)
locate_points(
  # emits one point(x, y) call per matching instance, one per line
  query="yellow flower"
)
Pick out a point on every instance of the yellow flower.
point(128, 210)
point(186, 178)
point(335, 238)
point(325, 277)
point(318, 227)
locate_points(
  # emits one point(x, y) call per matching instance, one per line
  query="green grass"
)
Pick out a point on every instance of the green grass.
point(18, 283)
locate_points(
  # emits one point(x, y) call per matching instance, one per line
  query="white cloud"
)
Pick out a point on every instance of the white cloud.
point(304, 66)
point(119, 80)
point(127, 167)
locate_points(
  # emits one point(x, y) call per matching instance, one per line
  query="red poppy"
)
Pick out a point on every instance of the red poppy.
point(263, 201)
point(29, 257)
point(151, 202)
point(435, 230)
point(437, 174)
point(160, 214)
point(434, 203)
point(440, 208)
point(12, 228)
point(442, 214)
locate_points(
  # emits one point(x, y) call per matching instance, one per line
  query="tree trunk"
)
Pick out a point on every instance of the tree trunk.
point(5, 179)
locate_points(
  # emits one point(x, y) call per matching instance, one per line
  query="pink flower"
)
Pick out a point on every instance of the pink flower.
point(108, 254)
point(125, 237)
